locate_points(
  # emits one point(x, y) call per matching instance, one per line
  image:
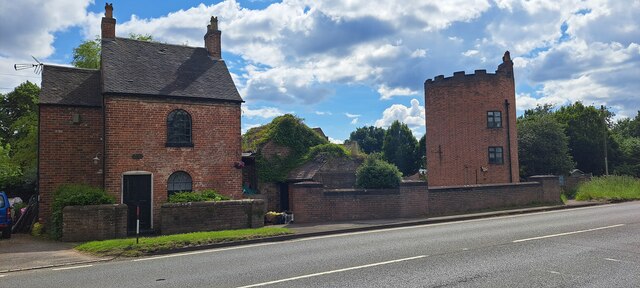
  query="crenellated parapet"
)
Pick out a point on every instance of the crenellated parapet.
point(505, 69)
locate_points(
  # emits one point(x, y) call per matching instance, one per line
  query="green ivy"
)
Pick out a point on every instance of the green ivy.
point(287, 131)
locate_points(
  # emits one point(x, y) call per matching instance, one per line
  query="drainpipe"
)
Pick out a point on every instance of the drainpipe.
point(506, 107)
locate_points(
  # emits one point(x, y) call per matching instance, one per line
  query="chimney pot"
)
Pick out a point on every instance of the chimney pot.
point(212, 39)
point(108, 25)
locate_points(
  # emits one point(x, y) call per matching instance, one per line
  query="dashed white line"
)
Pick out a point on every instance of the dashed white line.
point(554, 272)
point(69, 268)
point(566, 233)
point(205, 251)
point(2, 276)
point(611, 259)
point(333, 271)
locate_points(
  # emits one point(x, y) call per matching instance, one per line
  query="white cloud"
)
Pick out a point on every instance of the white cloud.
point(265, 112)
point(354, 121)
point(246, 127)
point(322, 113)
point(387, 93)
point(470, 53)
point(335, 141)
point(352, 115)
point(413, 116)
point(419, 53)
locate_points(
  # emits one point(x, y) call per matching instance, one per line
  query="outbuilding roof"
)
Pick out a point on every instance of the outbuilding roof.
point(70, 86)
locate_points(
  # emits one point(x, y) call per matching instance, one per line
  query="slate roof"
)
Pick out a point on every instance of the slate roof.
point(151, 68)
point(70, 86)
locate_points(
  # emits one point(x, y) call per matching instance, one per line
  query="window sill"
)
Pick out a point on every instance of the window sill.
point(179, 145)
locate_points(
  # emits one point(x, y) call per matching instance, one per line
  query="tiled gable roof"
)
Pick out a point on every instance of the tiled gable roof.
point(70, 86)
point(151, 68)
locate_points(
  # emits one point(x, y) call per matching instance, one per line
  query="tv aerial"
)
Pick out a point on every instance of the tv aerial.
point(37, 68)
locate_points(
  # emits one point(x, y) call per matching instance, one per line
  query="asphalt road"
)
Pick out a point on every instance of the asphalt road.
point(585, 247)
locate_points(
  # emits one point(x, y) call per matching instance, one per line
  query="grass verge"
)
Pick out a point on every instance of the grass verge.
point(148, 245)
point(614, 188)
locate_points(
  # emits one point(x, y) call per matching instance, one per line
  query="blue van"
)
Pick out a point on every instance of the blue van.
point(5, 215)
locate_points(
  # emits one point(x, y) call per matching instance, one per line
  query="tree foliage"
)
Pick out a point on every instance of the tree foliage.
point(87, 54)
point(543, 147)
point(370, 139)
point(399, 148)
point(587, 129)
point(18, 137)
point(422, 152)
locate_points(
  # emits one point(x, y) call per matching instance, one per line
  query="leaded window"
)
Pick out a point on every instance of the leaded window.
point(179, 181)
point(494, 119)
point(179, 129)
point(495, 155)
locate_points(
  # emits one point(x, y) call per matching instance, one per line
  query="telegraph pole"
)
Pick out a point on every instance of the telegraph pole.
point(604, 120)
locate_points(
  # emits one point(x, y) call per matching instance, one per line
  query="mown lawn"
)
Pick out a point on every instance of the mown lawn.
point(148, 245)
point(615, 188)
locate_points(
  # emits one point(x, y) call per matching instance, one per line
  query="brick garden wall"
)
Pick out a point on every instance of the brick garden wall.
point(210, 216)
point(472, 198)
point(311, 203)
point(66, 150)
point(94, 222)
point(137, 125)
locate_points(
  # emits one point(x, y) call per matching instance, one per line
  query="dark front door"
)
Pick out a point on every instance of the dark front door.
point(284, 197)
point(137, 192)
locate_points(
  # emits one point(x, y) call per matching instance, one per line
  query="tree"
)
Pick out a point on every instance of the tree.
point(87, 54)
point(543, 147)
point(422, 152)
point(23, 100)
point(587, 129)
point(370, 139)
point(399, 148)
point(18, 140)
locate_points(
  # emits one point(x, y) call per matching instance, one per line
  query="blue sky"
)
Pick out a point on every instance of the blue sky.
point(345, 64)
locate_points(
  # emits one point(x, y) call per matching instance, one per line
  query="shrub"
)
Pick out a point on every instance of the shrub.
point(36, 229)
point(376, 173)
point(74, 195)
point(197, 196)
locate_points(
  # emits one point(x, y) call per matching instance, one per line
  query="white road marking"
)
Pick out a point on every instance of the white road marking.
point(554, 272)
point(567, 233)
point(2, 276)
point(465, 249)
point(69, 268)
point(363, 232)
point(333, 271)
point(206, 251)
point(614, 260)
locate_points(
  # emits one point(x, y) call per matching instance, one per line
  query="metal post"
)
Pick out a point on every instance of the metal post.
point(606, 161)
point(137, 223)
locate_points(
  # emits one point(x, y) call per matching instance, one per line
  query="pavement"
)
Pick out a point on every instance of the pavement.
point(25, 252)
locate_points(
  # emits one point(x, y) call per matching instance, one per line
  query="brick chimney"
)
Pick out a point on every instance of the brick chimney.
point(108, 22)
point(507, 65)
point(212, 39)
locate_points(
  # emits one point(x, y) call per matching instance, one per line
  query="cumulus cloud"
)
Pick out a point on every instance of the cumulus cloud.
point(413, 116)
point(388, 93)
point(322, 113)
point(265, 112)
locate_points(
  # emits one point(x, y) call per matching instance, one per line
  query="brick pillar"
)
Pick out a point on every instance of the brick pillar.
point(550, 187)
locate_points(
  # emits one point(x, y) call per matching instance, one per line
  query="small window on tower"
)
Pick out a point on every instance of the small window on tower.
point(494, 119)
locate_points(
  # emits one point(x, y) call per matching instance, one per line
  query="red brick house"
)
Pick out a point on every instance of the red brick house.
point(154, 119)
point(471, 128)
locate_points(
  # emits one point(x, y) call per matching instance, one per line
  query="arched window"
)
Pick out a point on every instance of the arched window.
point(179, 182)
point(179, 129)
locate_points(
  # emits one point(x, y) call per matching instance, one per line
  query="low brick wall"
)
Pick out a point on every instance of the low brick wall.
point(94, 222)
point(311, 203)
point(211, 216)
point(449, 200)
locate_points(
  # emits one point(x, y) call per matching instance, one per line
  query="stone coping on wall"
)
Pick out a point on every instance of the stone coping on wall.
point(481, 186)
point(209, 203)
point(403, 183)
point(358, 191)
